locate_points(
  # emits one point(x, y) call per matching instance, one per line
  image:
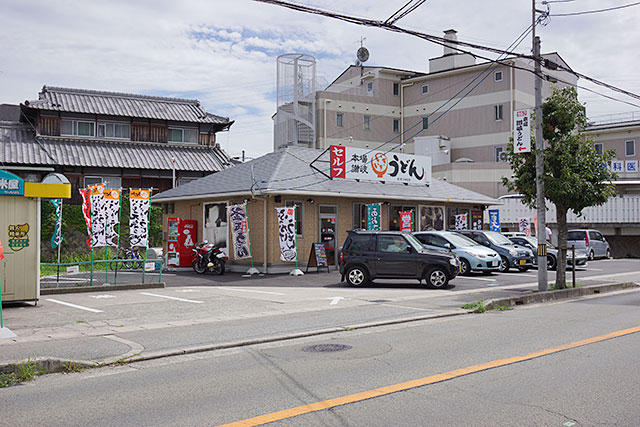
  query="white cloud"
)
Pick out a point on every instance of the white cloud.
point(224, 52)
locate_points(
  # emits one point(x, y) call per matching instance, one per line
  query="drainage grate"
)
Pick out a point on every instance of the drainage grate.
point(326, 348)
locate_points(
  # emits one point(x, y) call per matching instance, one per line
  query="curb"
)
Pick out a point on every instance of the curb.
point(560, 294)
point(101, 288)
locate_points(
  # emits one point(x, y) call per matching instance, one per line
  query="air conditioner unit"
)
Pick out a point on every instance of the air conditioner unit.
point(502, 156)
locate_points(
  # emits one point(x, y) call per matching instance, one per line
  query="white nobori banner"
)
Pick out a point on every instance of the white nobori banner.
point(522, 131)
point(379, 165)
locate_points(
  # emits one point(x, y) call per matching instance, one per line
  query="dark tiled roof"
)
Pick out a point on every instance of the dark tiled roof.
point(124, 104)
point(18, 145)
point(289, 171)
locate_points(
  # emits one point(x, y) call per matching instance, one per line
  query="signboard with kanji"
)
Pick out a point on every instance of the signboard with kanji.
point(522, 131)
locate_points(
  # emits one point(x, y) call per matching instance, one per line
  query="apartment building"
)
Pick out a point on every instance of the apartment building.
point(460, 112)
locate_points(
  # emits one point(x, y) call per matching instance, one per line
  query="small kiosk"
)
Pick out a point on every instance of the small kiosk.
point(20, 234)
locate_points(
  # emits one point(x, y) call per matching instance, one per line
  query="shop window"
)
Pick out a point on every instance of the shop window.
point(451, 217)
point(299, 215)
point(108, 181)
point(359, 216)
point(394, 216)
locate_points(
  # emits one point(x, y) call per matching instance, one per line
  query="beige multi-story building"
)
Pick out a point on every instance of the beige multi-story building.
point(460, 113)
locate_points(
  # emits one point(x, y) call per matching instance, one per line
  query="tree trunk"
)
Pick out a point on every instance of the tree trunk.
point(561, 271)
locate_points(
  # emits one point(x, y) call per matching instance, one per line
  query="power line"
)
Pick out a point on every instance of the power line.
point(404, 11)
point(587, 12)
point(440, 40)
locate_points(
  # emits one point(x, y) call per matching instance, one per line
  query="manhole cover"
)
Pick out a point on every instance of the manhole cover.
point(326, 348)
point(380, 300)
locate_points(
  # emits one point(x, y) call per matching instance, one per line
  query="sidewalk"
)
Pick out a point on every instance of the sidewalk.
point(139, 324)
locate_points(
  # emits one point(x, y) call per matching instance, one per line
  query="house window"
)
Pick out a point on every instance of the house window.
point(630, 148)
point(497, 111)
point(599, 149)
point(77, 128)
point(299, 215)
point(366, 122)
point(396, 126)
point(425, 89)
point(396, 89)
point(425, 123)
point(339, 120)
point(370, 89)
point(189, 136)
point(114, 130)
point(501, 156)
point(497, 76)
point(108, 181)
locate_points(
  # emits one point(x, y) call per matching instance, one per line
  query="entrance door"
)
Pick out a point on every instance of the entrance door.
point(328, 229)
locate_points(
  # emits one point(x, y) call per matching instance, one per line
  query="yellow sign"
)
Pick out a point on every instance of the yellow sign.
point(18, 237)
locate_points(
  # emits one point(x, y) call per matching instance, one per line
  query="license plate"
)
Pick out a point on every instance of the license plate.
point(523, 261)
point(494, 263)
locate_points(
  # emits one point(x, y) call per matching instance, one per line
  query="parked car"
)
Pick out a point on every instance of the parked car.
point(473, 256)
point(514, 233)
point(552, 252)
point(369, 255)
point(592, 241)
point(511, 255)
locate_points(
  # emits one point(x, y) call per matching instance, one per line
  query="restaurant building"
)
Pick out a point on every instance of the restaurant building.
point(326, 207)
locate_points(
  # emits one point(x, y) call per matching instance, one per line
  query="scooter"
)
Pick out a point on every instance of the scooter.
point(208, 256)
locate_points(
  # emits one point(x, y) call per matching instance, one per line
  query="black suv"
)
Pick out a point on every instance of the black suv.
point(368, 255)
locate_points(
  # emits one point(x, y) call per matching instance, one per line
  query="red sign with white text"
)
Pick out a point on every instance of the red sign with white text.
point(406, 223)
point(338, 161)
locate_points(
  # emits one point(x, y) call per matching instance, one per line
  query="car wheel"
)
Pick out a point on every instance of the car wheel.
point(436, 278)
point(591, 255)
point(504, 264)
point(465, 267)
point(608, 254)
point(357, 276)
point(551, 262)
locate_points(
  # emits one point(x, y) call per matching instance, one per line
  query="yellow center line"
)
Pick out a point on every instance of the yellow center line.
point(369, 394)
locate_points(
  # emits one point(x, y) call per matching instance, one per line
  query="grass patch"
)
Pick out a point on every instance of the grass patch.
point(504, 308)
point(22, 372)
point(477, 307)
point(125, 360)
point(73, 367)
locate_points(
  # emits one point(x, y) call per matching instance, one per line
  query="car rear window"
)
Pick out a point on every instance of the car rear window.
point(576, 235)
point(360, 243)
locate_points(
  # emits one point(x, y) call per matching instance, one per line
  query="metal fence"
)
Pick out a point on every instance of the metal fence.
point(101, 272)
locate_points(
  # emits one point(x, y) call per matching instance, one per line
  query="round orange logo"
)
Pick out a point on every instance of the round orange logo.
point(379, 164)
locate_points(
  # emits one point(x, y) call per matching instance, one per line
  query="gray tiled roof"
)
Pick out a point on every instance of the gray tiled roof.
point(18, 145)
point(288, 171)
point(123, 104)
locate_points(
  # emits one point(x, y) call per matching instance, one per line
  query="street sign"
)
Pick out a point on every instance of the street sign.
point(522, 131)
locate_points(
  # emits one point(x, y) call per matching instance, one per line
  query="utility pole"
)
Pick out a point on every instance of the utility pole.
point(540, 201)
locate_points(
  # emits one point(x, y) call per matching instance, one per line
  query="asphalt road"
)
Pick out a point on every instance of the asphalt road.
point(384, 376)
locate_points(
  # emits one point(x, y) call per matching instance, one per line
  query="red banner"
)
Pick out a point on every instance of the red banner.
point(406, 222)
point(86, 211)
point(338, 161)
point(1, 251)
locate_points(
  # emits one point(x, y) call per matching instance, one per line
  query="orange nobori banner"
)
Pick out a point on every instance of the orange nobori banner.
point(112, 194)
point(140, 194)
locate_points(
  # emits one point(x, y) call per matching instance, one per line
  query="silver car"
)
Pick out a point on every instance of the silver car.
point(591, 241)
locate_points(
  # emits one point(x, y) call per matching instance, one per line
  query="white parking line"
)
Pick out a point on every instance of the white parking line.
point(248, 290)
point(93, 310)
point(476, 278)
point(173, 298)
point(527, 275)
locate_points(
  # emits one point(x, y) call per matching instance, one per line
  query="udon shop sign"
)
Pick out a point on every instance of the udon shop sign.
point(379, 165)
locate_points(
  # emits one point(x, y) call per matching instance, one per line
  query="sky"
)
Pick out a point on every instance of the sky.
point(223, 52)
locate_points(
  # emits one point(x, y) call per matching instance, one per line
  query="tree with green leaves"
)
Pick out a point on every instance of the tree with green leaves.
point(575, 175)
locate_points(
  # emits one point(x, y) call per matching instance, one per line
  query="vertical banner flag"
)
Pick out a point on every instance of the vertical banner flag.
point(406, 223)
point(86, 211)
point(525, 226)
point(57, 237)
point(373, 217)
point(476, 220)
point(494, 220)
point(521, 131)
point(98, 224)
point(240, 231)
point(287, 233)
point(139, 204)
point(111, 209)
point(1, 251)
point(461, 222)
